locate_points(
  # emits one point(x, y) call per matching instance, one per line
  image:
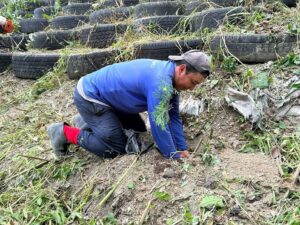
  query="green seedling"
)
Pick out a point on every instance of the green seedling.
point(162, 196)
point(109, 220)
point(161, 113)
point(229, 64)
point(212, 201)
point(290, 60)
point(131, 186)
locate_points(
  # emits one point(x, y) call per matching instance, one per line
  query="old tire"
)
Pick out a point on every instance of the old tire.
point(109, 15)
point(81, 1)
point(254, 48)
point(224, 3)
point(162, 49)
point(31, 5)
point(213, 18)
point(290, 3)
point(16, 41)
point(158, 24)
point(68, 22)
point(33, 65)
point(32, 25)
point(76, 8)
point(79, 65)
point(47, 10)
point(130, 2)
point(158, 9)
point(53, 39)
point(5, 61)
point(101, 36)
point(195, 6)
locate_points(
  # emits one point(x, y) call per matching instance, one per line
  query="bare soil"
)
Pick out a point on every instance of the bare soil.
point(247, 182)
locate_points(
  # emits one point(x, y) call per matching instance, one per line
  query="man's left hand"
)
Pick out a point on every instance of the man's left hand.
point(184, 154)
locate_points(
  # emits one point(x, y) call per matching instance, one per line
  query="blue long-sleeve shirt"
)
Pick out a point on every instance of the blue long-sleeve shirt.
point(135, 86)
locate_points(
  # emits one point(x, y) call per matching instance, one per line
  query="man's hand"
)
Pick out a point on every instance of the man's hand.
point(184, 154)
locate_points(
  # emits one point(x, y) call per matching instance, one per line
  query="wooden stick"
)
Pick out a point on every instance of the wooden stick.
point(114, 187)
point(33, 157)
point(24, 171)
point(202, 127)
point(145, 212)
point(296, 175)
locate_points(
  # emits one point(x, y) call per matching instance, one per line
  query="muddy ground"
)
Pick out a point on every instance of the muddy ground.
point(36, 189)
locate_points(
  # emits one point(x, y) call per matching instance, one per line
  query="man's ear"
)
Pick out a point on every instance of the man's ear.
point(182, 68)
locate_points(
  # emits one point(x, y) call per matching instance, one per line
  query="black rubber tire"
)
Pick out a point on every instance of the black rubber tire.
point(30, 5)
point(158, 9)
point(117, 3)
point(195, 6)
point(158, 24)
point(290, 3)
point(33, 65)
point(224, 3)
point(81, 1)
point(63, 3)
point(213, 18)
point(5, 61)
point(16, 42)
point(53, 39)
point(109, 15)
point(68, 22)
point(109, 3)
point(33, 25)
point(162, 49)
point(79, 65)
point(130, 2)
point(101, 36)
point(47, 10)
point(254, 48)
point(76, 8)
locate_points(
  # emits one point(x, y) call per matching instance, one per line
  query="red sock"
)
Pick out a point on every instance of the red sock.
point(71, 133)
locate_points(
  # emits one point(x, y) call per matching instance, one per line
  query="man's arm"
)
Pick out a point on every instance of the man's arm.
point(176, 124)
point(161, 134)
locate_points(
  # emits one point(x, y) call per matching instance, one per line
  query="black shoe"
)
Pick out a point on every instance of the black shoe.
point(58, 140)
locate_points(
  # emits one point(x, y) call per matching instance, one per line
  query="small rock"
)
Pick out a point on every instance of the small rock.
point(235, 210)
point(169, 173)
point(254, 198)
point(210, 183)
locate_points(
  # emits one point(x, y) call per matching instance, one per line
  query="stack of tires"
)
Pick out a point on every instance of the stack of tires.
point(97, 26)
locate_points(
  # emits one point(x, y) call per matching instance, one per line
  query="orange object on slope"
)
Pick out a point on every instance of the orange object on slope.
point(6, 25)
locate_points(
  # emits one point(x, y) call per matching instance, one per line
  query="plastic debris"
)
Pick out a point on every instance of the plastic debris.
point(244, 104)
point(289, 104)
point(191, 107)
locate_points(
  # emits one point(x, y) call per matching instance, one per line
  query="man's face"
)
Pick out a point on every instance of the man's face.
point(184, 81)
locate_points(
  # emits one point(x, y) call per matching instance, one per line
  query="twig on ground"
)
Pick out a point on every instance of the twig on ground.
point(296, 175)
point(27, 170)
point(114, 187)
point(239, 204)
point(181, 198)
point(33, 157)
point(212, 119)
point(146, 210)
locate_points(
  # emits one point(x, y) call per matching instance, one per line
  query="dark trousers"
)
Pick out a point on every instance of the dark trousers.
point(105, 136)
